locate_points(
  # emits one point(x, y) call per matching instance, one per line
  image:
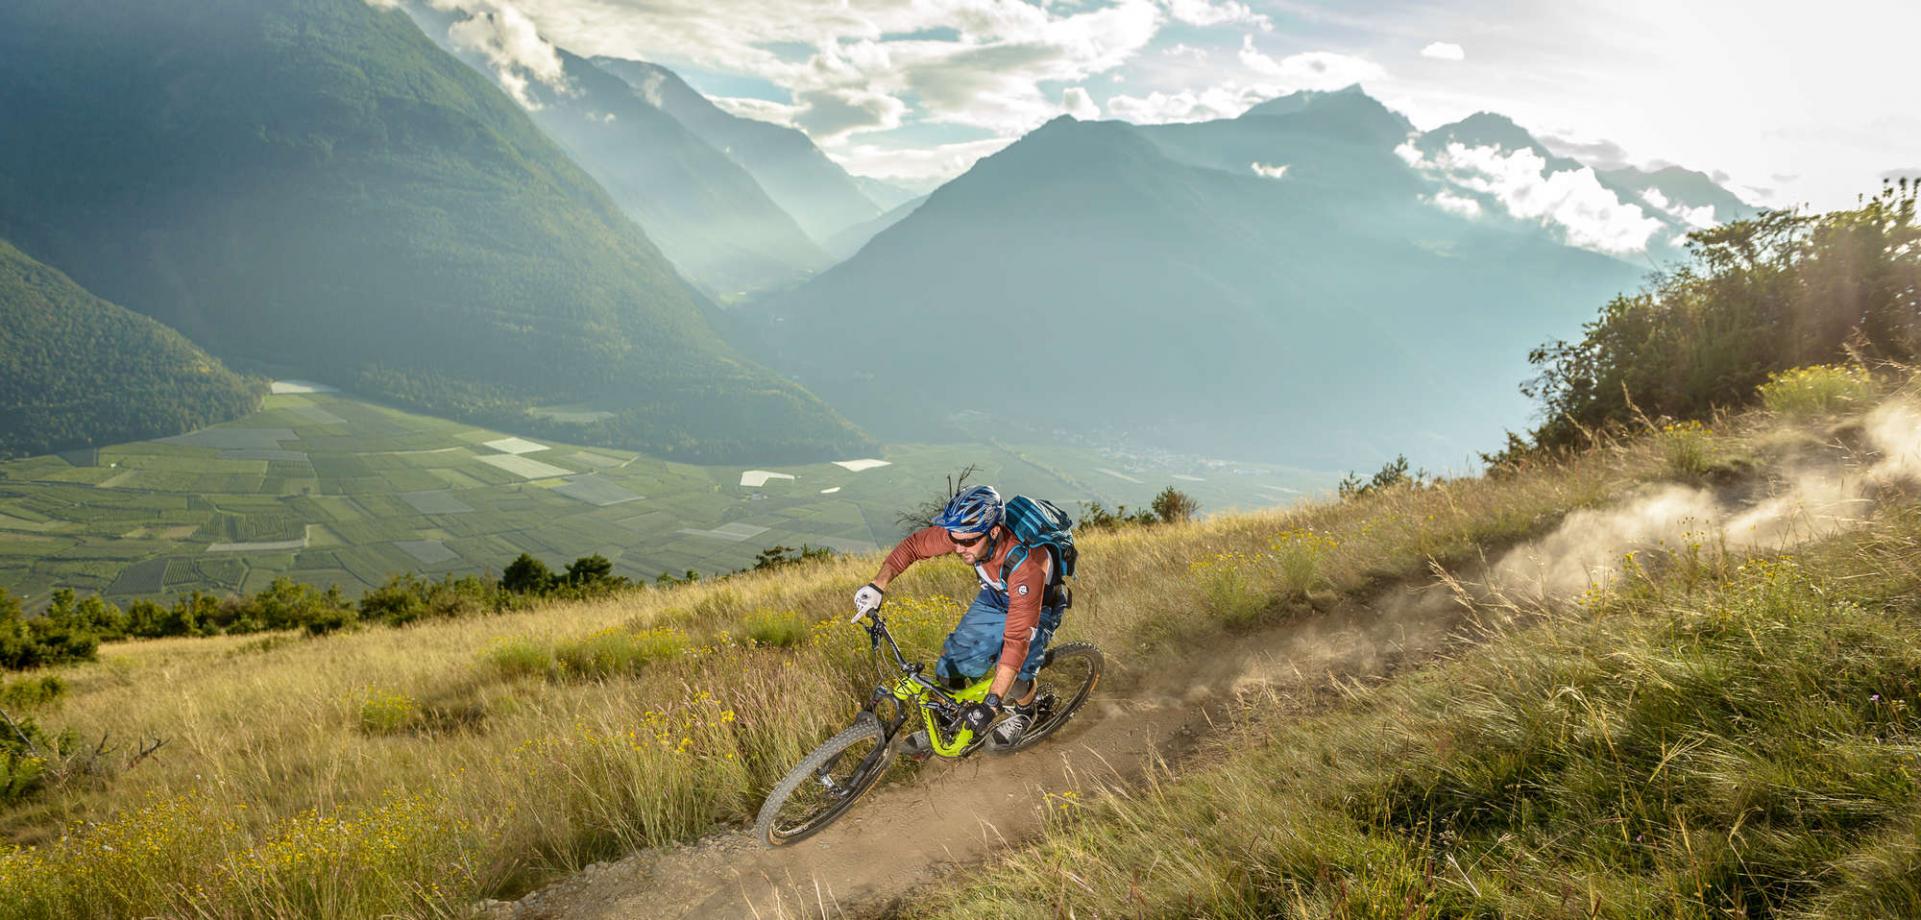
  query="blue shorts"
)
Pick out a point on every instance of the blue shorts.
point(975, 644)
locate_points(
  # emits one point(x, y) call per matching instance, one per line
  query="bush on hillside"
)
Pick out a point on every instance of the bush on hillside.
point(777, 557)
point(1170, 506)
point(1173, 506)
point(1777, 291)
point(26, 754)
point(30, 692)
point(54, 638)
point(1393, 474)
point(407, 598)
point(588, 576)
point(1095, 516)
point(1817, 390)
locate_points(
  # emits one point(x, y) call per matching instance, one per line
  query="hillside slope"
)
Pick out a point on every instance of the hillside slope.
point(313, 186)
point(77, 371)
point(494, 753)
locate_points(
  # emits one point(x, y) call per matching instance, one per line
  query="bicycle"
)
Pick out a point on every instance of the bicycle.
point(828, 781)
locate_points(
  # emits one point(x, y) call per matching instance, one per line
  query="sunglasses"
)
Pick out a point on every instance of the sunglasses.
point(967, 541)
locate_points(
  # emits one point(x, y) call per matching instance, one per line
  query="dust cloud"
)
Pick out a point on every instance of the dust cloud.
point(1813, 494)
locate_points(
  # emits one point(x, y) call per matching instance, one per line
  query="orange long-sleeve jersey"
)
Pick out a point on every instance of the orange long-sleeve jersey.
point(1025, 586)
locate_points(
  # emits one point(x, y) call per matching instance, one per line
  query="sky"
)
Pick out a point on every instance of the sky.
point(1785, 104)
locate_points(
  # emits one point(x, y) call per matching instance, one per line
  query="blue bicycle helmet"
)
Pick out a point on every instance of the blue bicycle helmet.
point(975, 510)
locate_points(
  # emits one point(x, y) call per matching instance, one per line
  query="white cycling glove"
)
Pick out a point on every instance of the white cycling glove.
point(867, 600)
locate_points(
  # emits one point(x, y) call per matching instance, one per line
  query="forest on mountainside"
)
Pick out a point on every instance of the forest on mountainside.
point(77, 371)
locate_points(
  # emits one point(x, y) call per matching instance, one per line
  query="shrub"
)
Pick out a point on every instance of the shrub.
point(1392, 474)
point(1170, 506)
point(29, 692)
point(26, 752)
point(1097, 517)
point(588, 576)
point(1818, 389)
point(283, 604)
point(1230, 583)
point(520, 658)
point(91, 615)
point(718, 607)
point(618, 651)
point(1298, 555)
point(1173, 506)
point(408, 597)
point(588, 570)
point(775, 557)
point(527, 575)
point(781, 629)
point(1688, 447)
point(55, 638)
point(384, 713)
point(1777, 291)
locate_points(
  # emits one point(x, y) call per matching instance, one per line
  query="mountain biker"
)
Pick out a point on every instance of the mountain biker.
point(1008, 626)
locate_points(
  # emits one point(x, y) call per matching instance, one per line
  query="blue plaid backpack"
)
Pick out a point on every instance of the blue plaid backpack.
point(1036, 523)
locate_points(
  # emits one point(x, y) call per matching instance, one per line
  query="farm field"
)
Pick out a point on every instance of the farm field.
point(333, 490)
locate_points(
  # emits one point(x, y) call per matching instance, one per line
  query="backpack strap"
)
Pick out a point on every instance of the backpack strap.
point(1008, 565)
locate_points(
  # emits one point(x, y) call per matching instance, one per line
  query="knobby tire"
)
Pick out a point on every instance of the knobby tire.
point(868, 773)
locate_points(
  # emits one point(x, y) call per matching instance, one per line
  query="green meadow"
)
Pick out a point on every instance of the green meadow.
point(333, 490)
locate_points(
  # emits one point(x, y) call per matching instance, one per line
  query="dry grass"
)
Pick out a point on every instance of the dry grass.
point(1708, 736)
point(415, 770)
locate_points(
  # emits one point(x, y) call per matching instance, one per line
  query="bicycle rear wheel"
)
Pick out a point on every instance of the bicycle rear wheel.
point(1067, 676)
point(825, 783)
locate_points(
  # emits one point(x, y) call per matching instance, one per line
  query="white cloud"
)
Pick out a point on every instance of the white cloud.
point(915, 167)
point(512, 45)
point(779, 113)
point(831, 114)
point(1455, 204)
point(1268, 171)
point(1076, 102)
point(1185, 52)
point(987, 76)
point(1209, 13)
point(1702, 216)
point(1224, 101)
point(1310, 69)
point(1444, 51)
point(1599, 152)
point(1588, 214)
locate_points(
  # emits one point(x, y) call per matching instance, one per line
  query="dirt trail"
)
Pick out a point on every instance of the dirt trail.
point(952, 813)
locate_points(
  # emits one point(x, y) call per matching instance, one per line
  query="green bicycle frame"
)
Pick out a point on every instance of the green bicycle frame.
point(916, 693)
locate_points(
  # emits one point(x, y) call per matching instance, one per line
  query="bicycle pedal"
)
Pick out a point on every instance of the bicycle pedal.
point(917, 748)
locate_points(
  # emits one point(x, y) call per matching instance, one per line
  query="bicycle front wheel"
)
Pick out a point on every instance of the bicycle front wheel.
point(825, 783)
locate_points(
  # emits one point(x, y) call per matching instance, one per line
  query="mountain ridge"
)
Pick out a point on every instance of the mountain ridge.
point(820, 196)
point(1200, 286)
point(313, 185)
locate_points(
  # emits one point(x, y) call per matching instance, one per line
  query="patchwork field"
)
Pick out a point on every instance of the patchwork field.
point(333, 490)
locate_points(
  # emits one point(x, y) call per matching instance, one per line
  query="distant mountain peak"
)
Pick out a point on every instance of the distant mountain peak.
point(1302, 100)
point(1485, 129)
point(1347, 112)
